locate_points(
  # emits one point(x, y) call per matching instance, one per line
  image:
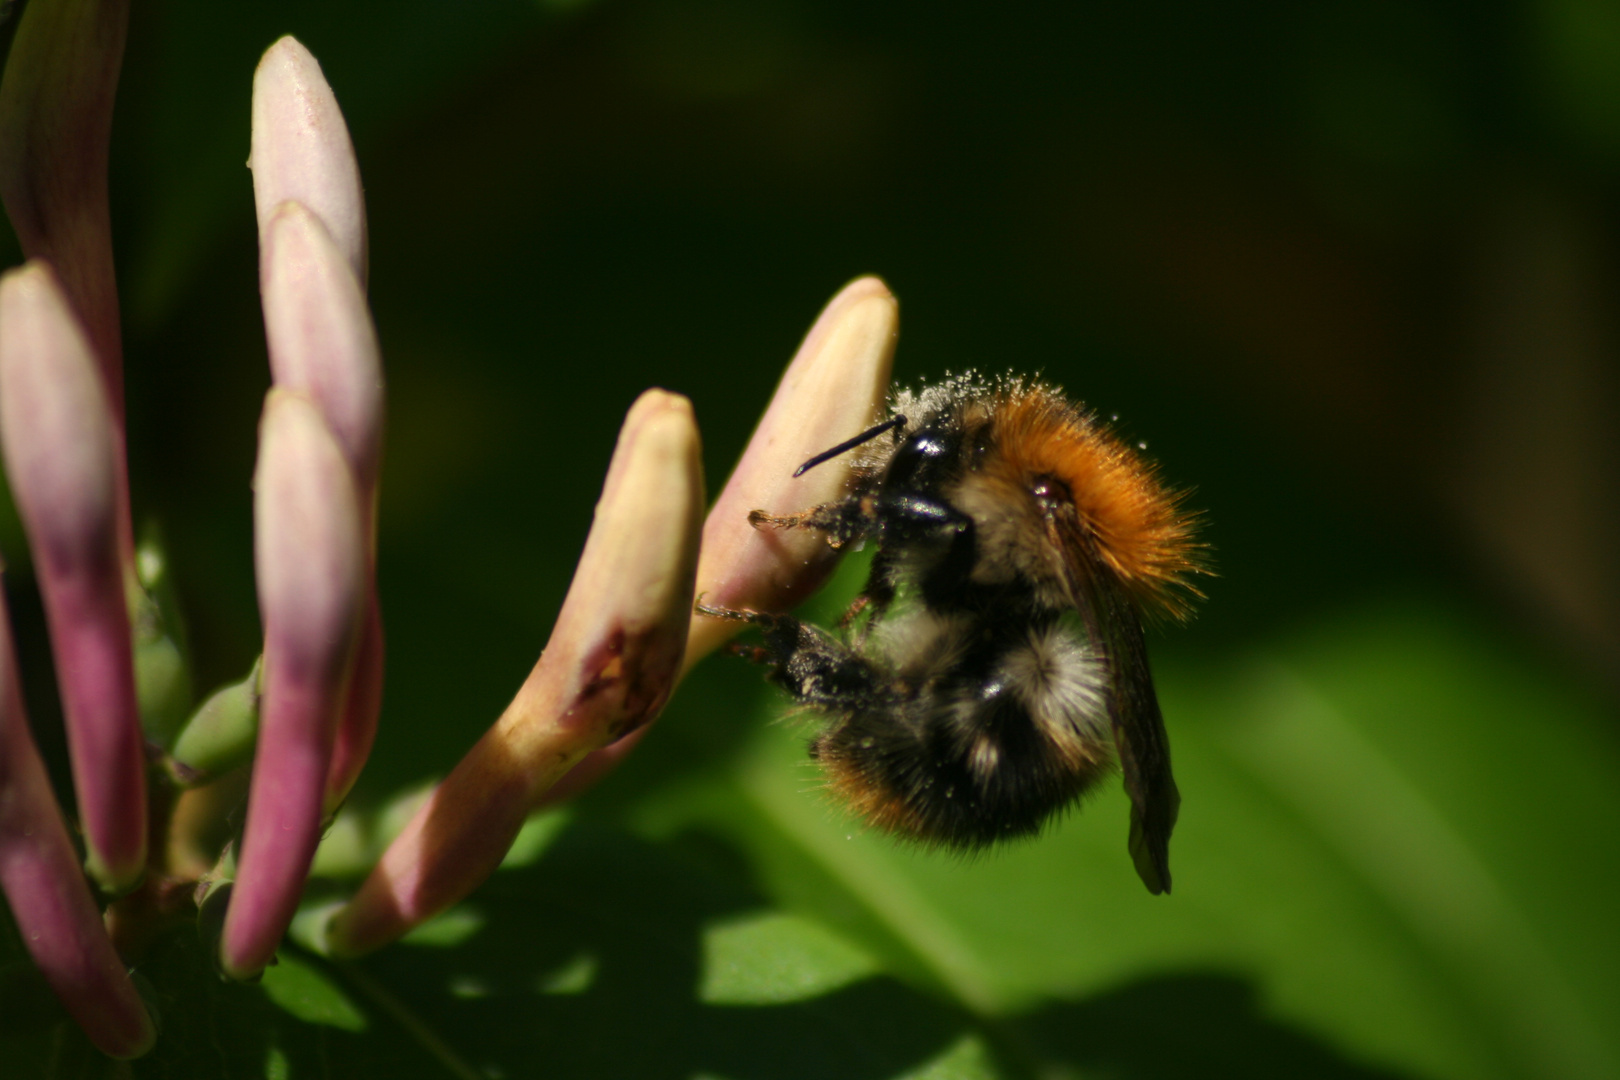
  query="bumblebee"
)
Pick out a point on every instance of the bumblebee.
point(993, 668)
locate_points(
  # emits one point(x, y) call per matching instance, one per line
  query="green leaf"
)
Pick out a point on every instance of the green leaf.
point(310, 995)
point(771, 958)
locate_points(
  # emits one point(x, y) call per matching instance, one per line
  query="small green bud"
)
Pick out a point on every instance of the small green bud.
point(220, 735)
point(157, 635)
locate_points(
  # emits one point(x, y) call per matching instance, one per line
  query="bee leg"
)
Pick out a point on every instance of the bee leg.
point(843, 522)
point(823, 672)
point(780, 631)
point(763, 619)
point(808, 663)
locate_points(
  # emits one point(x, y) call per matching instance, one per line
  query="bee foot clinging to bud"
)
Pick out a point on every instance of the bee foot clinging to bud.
point(759, 519)
point(757, 618)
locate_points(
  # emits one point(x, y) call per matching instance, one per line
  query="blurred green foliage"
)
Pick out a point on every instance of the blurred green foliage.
point(1348, 268)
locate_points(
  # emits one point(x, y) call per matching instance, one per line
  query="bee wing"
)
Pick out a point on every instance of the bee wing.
point(1144, 748)
point(1133, 705)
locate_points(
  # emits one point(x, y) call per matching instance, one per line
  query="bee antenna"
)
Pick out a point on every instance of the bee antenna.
point(892, 423)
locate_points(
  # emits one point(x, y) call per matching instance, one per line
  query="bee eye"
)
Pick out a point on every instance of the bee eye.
point(1051, 494)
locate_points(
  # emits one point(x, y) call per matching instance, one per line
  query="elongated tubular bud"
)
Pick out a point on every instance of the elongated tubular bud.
point(608, 669)
point(302, 152)
point(319, 331)
point(835, 387)
point(60, 447)
point(322, 344)
point(40, 876)
point(56, 107)
point(310, 559)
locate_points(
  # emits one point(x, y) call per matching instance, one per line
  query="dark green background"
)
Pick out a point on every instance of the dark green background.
point(1348, 268)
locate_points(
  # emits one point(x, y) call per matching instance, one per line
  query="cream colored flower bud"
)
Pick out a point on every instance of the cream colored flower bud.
point(834, 388)
point(609, 667)
point(319, 330)
point(301, 149)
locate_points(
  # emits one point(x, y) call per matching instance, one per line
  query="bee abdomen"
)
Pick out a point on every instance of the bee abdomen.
point(976, 758)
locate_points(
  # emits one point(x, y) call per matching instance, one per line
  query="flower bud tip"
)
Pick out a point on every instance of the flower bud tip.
point(301, 149)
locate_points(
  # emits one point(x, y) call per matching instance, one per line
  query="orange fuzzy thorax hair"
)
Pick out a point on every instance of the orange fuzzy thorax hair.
point(1140, 529)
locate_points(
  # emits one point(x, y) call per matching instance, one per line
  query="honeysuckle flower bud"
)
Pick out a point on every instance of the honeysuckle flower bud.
point(220, 735)
point(39, 873)
point(301, 149)
point(319, 331)
point(56, 105)
point(608, 669)
point(310, 558)
point(312, 228)
point(322, 345)
point(834, 388)
point(61, 456)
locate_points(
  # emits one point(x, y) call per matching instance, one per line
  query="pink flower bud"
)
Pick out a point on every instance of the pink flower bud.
point(834, 388)
point(309, 552)
point(312, 220)
point(61, 456)
point(301, 149)
point(40, 875)
point(608, 669)
point(56, 106)
point(319, 330)
point(322, 345)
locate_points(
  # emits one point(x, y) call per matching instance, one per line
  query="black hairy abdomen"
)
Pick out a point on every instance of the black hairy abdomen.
point(954, 758)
